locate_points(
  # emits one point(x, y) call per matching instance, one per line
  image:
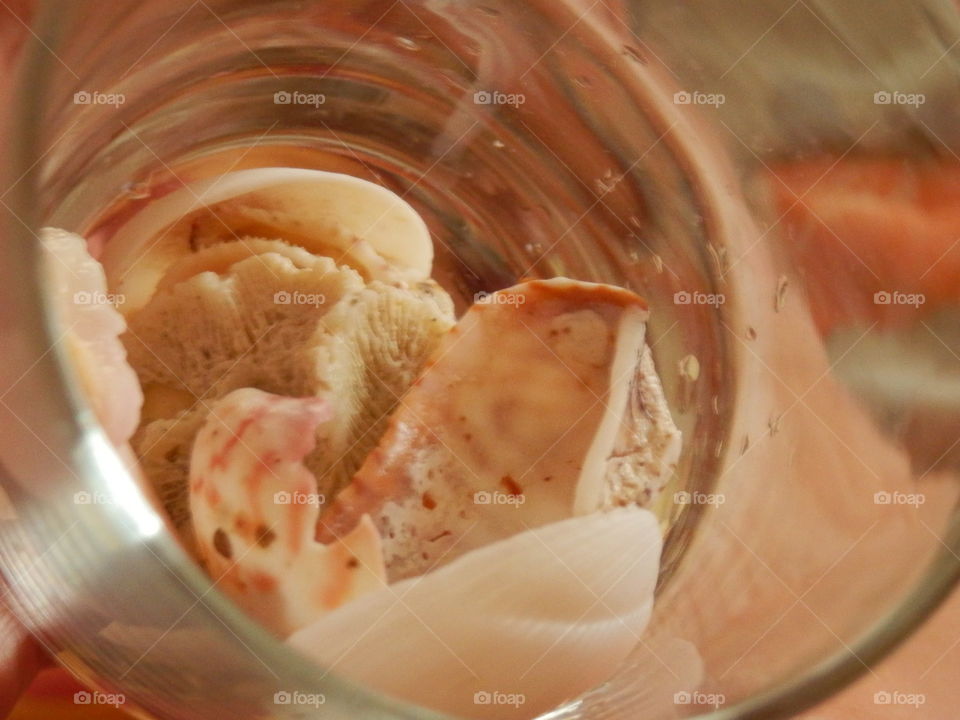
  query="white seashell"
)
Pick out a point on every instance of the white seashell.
point(354, 221)
point(255, 508)
point(91, 327)
point(509, 630)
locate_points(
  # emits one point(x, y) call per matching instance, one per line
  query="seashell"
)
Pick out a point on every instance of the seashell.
point(255, 506)
point(506, 631)
point(289, 323)
point(512, 425)
point(353, 221)
point(92, 326)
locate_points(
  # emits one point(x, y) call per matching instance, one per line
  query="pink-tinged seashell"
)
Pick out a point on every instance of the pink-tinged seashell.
point(255, 508)
point(91, 327)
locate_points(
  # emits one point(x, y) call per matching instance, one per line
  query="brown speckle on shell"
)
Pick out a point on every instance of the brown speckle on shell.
point(221, 543)
point(265, 536)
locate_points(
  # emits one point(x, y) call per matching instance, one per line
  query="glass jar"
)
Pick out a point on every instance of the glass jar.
point(811, 523)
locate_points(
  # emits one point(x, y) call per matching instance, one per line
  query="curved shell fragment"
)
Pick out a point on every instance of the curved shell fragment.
point(91, 329)
point(353, 221)
point(255, 508)
point(540, 617)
